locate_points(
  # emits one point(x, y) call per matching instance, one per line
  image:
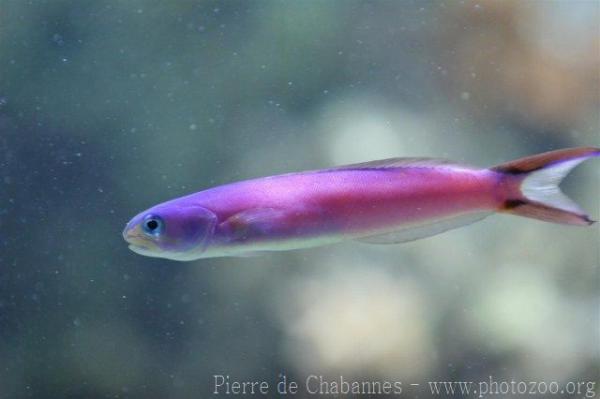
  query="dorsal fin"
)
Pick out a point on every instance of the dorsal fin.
point(396, 163)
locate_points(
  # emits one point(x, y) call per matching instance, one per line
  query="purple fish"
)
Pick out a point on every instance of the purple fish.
point(389, 201)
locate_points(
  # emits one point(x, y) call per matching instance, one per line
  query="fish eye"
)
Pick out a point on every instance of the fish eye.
point(153, 225)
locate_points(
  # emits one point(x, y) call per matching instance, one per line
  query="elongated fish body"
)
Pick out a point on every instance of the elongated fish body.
point(387, 201)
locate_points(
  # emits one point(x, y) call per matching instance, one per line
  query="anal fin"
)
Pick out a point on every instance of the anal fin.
point(411, 233)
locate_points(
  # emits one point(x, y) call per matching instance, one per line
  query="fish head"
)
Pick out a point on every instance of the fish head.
point(171, 231)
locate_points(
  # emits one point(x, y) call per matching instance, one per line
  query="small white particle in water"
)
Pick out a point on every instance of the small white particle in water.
point(193, 126)
point(58, 39)
point(465, 95)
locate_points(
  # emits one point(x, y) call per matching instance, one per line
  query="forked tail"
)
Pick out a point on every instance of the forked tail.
point(538, 177)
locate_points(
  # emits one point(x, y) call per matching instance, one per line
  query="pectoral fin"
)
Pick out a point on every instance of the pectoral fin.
point(253, 222)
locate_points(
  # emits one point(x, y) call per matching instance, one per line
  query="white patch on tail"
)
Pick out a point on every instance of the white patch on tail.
point(541, 185)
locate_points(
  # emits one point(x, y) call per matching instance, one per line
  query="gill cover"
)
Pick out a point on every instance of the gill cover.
point(196, 225)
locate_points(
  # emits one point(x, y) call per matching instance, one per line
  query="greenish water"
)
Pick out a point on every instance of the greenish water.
point(108, 107)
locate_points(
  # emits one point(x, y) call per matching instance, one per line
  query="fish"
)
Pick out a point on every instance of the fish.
point(380, 202)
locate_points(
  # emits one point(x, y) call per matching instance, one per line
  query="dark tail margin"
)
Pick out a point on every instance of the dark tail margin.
point(538, 178)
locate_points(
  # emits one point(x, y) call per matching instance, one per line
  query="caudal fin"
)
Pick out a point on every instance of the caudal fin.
point(538, 178)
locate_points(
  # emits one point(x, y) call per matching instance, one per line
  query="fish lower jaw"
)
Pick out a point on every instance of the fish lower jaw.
point(144, 251)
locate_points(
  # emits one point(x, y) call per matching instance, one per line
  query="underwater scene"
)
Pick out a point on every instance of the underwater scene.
point(308, 199)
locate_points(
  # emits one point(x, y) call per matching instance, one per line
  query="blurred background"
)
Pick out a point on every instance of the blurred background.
point(110, 107)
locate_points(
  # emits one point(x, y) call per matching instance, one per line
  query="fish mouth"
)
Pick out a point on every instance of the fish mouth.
point(139, 243)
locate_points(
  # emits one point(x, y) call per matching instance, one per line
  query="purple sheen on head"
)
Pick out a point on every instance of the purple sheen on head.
point(185, 226)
